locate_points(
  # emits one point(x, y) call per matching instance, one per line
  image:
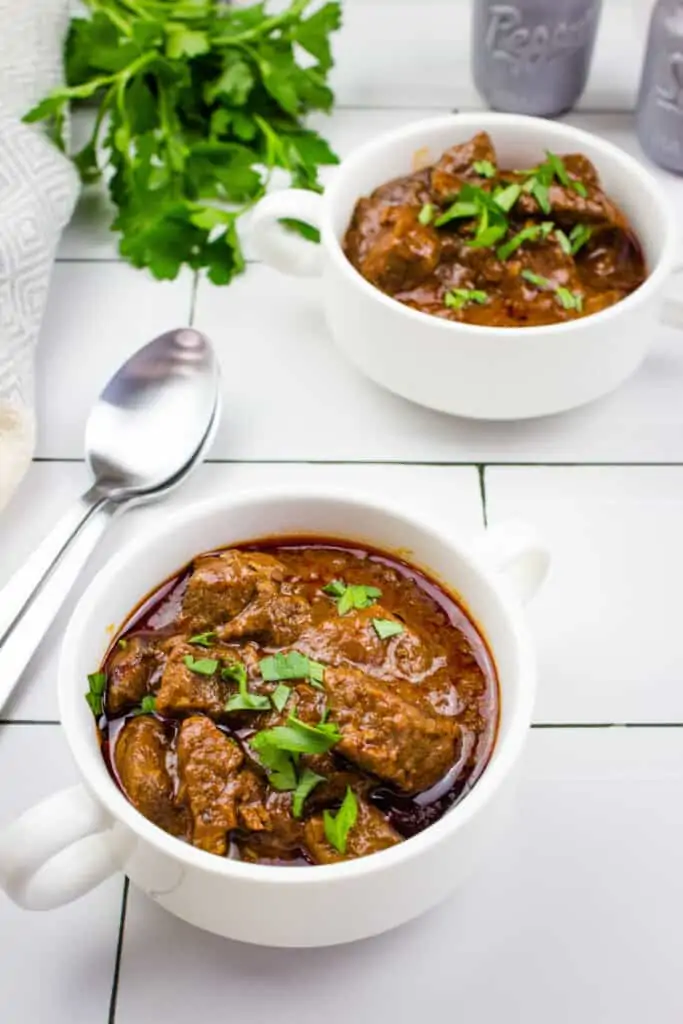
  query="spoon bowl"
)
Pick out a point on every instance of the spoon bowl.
point(154, 418)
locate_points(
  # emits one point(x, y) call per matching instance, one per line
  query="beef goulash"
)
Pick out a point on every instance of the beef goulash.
point(466, 240)
point(296, 702)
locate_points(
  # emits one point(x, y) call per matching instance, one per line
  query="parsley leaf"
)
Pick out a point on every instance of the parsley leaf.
point(202, 666)
point(203, 639)
point(148, 706)
point(292, 665)
point(96, 684)
point(457, 211)
point(338, 826)
point(387, 627)
point(197, 103)
point(299, 737)
point(485, 168)
point(569, 300)
point(564, 243)
point(507, 197)
point(578, 237)
point(531, 233)
point(278, 763)
point(358, 596)
point(426, 214)
point(308, 780)
point(243, 701)
point(544, 283)
point(456, 298)
point(280, 695)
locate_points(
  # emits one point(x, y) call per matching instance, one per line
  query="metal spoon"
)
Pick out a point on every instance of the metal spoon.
point(149, 428)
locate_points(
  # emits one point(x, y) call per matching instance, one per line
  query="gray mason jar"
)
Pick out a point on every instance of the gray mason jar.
point(533, 56)
point(659, 119)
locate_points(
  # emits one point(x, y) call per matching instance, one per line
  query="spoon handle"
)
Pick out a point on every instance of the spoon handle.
point(31, 599)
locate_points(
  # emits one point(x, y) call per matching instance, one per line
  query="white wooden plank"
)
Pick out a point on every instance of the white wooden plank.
point(56, 967)
point(97, 315)
point(567, 921)
point(447, 497)
point(607, 624)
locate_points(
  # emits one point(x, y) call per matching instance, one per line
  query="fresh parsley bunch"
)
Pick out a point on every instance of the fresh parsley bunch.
point(197, 103)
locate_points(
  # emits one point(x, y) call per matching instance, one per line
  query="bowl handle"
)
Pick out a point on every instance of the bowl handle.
point(514, 551)
point(57, 851)
point(275, 244)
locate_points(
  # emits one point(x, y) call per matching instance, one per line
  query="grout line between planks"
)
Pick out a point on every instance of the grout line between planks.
point(481, 470)
point(476, 464)
point(534, 725)
point(119, 949)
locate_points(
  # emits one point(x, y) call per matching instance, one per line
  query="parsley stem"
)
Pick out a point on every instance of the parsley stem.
point(293, 11)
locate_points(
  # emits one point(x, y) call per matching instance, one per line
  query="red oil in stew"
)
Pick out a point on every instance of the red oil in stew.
point(404, 680)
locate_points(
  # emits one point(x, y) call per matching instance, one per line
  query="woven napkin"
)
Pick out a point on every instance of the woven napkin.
point(38, 190)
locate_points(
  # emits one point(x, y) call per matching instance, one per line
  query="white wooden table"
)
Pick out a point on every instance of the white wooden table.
point(577, 917)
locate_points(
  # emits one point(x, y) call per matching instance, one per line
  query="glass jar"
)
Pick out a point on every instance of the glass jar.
point(659, 118)
point(533, 56)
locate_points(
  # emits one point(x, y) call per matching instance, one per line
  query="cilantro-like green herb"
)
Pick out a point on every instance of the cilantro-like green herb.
point(297, 737)
point(485, 168)
point(538, 280)
point(426, 214)
point(457, 298)
point(202, 666)
point(280, 695)
point(308, 780)
point(148, 706)
point(338, 826)
point(569, 300)
point(203, 639)
point(278, 763)
point(558, 168)
point(531, 233)
point(243, 701)
point(507, 197)
point(387, 627)
point(122, 643)
point(457, 211)
point(351, 595)
point(578, 236)
point(197, 103)
point(95, 695)
point(489, 236)
point(292, 665)
point(563, 241)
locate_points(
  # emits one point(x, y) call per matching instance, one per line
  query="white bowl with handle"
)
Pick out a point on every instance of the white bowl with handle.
point(71, 842)
point(464, 369)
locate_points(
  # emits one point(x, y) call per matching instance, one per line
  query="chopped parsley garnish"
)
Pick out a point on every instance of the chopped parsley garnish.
point(578, 236)
point(387, 627)
point(338, 826)
point(489, 236)
point(148, 706)
point(96, 684)
point(426, 214)
point(278, 763)
point(280, 695)
point(567, 299)
point(531, 233)
point(122, 643)
point(563, 241)
point(292, 665)
point(457, 211)
point(202, 666)
point(538, 281)
point(485, 168)
point(297, 737)
point(243, 701)
point(351, 595)
point(507, 197)
point(308, 780)
point(457, 298)
point(203, 639)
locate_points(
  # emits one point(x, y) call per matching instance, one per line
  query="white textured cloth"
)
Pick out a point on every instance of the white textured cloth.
point(38, 189)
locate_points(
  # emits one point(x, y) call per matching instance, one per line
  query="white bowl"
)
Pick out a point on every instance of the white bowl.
point(480, 372)
point(71, 842)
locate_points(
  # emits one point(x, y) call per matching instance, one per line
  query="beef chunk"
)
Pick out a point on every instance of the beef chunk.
point(130, 673)
point(221, 795)
point(183, 690)
point(222, 585)
point(273, 618)
point(411, 190)
point(140, 757)
point(390, 732)
point(353, 638)
point(370, 834)
point(455, 167)
point(394, 251)
point(569, 208)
